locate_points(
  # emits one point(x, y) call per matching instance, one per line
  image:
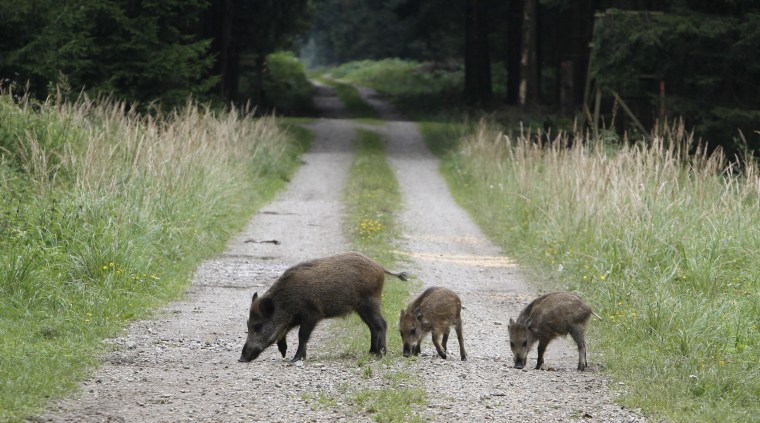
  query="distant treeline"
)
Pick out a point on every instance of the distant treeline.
point(663, 59)
point(697, 59)
point(145, 50)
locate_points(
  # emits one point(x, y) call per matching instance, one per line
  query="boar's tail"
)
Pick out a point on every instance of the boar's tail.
point(597, 316)
point(400, 275)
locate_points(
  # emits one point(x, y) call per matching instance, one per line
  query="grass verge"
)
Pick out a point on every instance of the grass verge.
point(103, 210)
point(660, 238)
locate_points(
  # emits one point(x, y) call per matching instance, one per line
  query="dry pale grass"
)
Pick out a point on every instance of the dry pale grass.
point(105, 214)
point(660, 235)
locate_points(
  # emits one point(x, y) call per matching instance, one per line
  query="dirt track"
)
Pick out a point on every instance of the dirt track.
point(182, 366)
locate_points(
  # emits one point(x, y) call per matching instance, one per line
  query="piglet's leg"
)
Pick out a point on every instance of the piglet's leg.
point(580, 339)
point(437, 343)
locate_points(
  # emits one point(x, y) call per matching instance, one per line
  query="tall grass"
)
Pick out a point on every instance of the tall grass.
point(661, 238)
point(102, 214)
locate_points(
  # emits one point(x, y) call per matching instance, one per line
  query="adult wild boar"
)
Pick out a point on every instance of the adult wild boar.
point(436, 310)
point(549, 316)
point(314, 290)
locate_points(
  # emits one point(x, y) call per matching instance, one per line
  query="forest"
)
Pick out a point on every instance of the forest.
point(593, 60)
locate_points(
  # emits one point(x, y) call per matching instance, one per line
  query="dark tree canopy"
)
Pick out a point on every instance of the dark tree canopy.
point(142, 50)
point(692, 58)
point(138, 50)
point(707, 57)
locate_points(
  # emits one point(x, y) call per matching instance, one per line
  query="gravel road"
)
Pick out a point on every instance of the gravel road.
point(181, 366)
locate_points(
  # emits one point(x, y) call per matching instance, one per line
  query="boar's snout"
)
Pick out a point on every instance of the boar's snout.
point(249, 354)
point(407, 349)
point(521, 357)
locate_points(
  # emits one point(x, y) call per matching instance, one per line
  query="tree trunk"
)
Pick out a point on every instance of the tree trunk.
point(230, 54)
point(567, 88)
point(514, 43)
point(258, 89)
point(470, 52)
point(477, 68)
point(528, 91)
point(484, 54)
point(220, 25)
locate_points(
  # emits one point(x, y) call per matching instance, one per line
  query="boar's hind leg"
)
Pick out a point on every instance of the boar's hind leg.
point(460, 338)
point(304, 332)
point(282, 345)
point(370, 313)
point(579, 338)
point(436, 342)
point(445, 340)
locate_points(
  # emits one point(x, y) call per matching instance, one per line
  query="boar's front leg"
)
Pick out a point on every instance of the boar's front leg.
point(304, 332)
point(282, 345)
point(437, 343)
point(542, 344)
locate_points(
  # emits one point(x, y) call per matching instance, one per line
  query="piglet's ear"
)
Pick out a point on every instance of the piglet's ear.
point(418, 313)
point(402, 313)
point(255, 295)
point(266, 306)
point(511, 322)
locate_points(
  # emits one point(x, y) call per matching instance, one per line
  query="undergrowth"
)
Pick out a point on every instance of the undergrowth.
point(352, 100)
point(418, 90)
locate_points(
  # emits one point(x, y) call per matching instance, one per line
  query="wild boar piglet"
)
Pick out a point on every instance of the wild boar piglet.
point(435, 310)
point(549, 316)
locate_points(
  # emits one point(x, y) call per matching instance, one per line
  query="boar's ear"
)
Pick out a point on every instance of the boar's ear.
point(418, 313)
point(266, 306)
point(255, 295)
